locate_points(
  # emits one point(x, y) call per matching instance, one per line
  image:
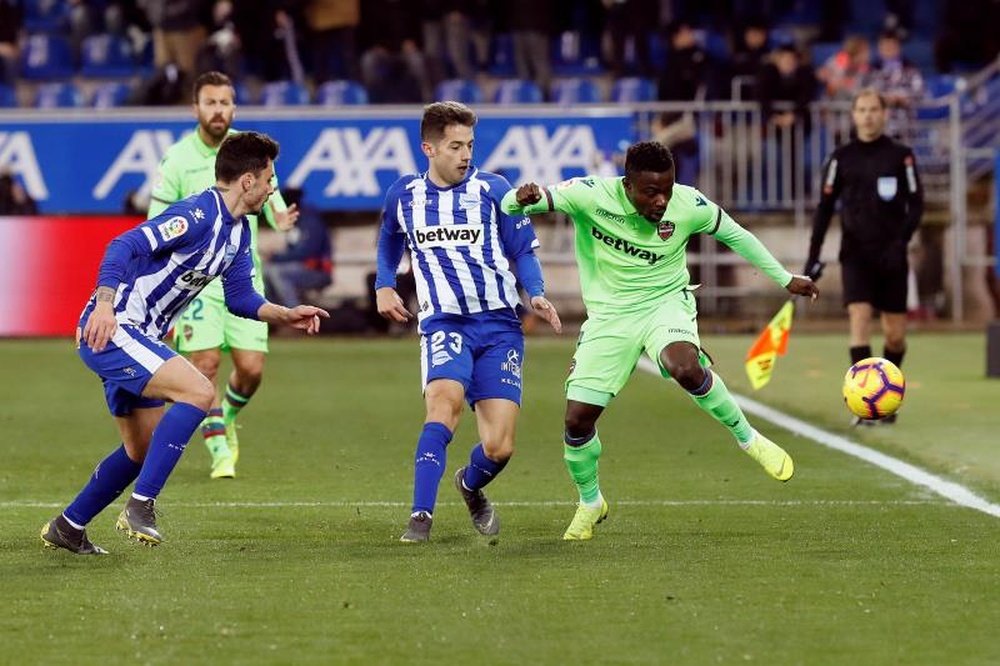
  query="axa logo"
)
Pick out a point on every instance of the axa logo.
point(625, 247)
point(18, 158)
point(352, 159)
point(448, 235)
point(139, 157)
point(521, 148)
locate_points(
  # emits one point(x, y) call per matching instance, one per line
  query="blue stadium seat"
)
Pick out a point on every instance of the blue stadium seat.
point(283, 93)
point(459, 90)
point(517, 91)
point(920, 52)
point(941, 85)
point(243, 96)
point(575, 91)
point(633, 89)
point(575, 55)
point(109, 95)
point(342, 93)
point(45, 15)
point(502, 56)
point(106, 57)
point(821, 52)
point(59, 95)
point(8, 99)
point(46, 57)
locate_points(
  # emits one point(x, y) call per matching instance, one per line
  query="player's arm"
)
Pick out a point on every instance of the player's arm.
point(914, 196)
point(568, 197)
point(518, 240)
point(824, 211)
point(389, 252)
point(244, 301)
point(748, 246)
point(167, 189)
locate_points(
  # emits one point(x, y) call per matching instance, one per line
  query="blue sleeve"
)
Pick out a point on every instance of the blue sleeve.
point(165, 233)
point(237, 283)
point(391, 243)
point(119, 256)
point(517, 236)
point(529, 272)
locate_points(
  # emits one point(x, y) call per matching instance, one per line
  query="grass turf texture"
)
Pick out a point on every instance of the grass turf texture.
point(704, 558)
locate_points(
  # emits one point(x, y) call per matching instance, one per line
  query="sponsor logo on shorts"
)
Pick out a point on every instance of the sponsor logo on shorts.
point(172, 228)
point(625, 247)
point(130, 371)
point(440, 358)
point(512, 364)
point(449, 235)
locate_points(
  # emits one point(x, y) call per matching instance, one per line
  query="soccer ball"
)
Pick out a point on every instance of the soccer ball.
point(874, 388)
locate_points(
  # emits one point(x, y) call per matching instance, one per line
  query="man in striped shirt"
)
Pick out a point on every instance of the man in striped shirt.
point(147, 277)
point(463, 250)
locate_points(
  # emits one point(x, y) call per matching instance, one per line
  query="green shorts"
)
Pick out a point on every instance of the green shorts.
point(609, 347)
point(207, 324)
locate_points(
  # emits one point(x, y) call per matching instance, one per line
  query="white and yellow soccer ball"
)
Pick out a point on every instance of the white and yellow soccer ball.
point(874, 388)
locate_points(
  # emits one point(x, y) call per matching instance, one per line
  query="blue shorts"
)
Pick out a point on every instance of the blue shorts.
point(483, 352)
point(125, 366)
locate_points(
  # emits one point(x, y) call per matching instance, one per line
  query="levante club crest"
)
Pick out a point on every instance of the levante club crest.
point(665, 230)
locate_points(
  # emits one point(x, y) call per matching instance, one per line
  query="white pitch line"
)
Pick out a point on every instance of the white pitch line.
point(950, 490)
point(346, 504)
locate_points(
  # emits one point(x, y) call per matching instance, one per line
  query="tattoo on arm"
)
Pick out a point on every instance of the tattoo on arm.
point(105, 294)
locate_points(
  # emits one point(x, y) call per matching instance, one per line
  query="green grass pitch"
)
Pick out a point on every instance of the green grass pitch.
point(704, 558)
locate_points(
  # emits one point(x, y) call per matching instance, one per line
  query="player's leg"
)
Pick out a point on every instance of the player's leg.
point(891, 301)
point(200, 335)
point(858, 282)
point(248, 345)
point(606, 353)
point(446, 370)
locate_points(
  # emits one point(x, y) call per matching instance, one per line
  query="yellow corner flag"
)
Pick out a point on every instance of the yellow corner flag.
point(769, 345)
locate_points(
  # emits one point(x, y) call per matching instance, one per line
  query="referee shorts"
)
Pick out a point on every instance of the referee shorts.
point(880, 283)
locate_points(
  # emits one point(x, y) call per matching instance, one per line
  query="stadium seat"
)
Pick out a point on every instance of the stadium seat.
point(342, 93)
point(59, 95)
point(575, 55)
point(517, 91)
point(575, 91)
point(106, 57)
point(459, 90)
point(283, 93)
point(45, 15)
point(633, 89)
point(8, 99)
point(502, 56)
point(243, 96)
point(920, 52)
point(821, 52)
point(46, 57)
point(109, 95)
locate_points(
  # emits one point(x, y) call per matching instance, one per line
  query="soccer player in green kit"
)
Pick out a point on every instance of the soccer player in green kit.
point(631, 235)
point(206, 328)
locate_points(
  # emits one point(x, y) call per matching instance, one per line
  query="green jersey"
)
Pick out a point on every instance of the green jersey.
point(626, 262)
point(187, 168)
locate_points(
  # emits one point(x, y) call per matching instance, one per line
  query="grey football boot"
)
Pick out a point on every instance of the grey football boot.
point(58, 533)
point(484, 516)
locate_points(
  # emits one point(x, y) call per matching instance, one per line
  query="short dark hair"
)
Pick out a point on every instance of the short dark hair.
point(648, 156)
point(869, 92)
point(244, 152)
point(211, 79)
point(439, 115)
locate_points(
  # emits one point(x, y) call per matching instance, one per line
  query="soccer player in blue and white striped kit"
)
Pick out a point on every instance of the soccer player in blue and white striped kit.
point(147, 277)
point(471, 343)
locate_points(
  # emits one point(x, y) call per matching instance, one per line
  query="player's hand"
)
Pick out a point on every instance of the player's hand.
point(306, 318)
point(544, 309)
point(803, 286)
point(528, 194)
point(391, 306)
point(100, 327)
point(286, 219)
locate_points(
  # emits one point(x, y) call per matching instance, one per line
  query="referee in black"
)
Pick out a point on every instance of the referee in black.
point(882, 201)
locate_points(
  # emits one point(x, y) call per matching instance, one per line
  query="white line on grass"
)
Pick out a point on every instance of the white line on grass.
point(948, 489)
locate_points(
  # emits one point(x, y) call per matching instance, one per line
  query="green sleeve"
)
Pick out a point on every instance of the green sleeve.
point(750, 248)
point(567, 197)
point(167, 188)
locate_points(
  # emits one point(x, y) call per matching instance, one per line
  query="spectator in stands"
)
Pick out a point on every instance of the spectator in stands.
point(635, 20)
point(683, 80)
point(14, 199)
point(393, 68)
point(332, 32)
point(11, 18)
point(307, 262)
point(532, 25)
point(786, 79)
point(266, 37)
point(178, 32)
point(844, 71)
point(447, 33)
point(894, 76)
point(750, 52)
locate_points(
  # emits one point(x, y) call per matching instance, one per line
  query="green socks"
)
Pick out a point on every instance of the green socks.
point(581, 461)
point(719, 402)
point(213, 429)
point(232, 403)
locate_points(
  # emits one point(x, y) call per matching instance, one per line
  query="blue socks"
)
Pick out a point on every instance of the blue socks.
point(428, 468)
point(169, 440)
point(111, 476)
point(480, 470)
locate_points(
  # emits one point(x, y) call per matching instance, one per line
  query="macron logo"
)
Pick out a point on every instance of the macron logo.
point(450, 235)
point(624, 246)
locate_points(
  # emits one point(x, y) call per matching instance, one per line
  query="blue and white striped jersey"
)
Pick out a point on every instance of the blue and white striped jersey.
point(461, 243)
point(160, 266)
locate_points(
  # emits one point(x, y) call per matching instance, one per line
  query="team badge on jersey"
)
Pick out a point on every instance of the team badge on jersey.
point(665, 230)
point(172, 228)
point(887, 186)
